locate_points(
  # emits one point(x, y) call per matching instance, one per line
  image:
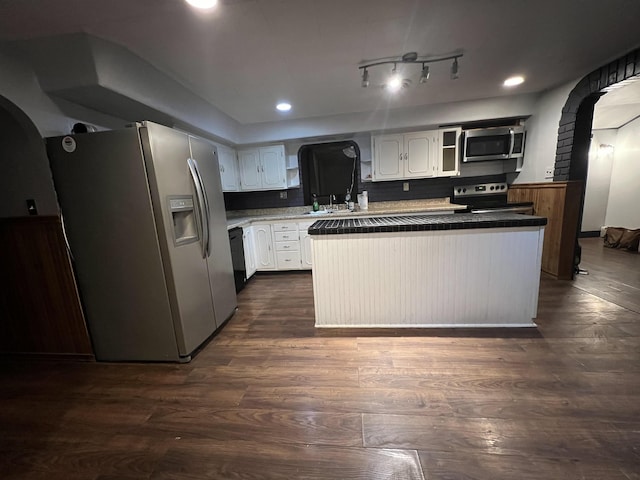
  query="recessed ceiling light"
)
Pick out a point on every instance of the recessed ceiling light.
point(513, 81)
point(202, 4)
point(284, 107)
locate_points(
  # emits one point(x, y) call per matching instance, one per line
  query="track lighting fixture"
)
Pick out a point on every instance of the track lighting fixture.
point(395, 82)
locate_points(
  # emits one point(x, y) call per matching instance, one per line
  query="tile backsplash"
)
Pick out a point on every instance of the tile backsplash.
point(423, 188)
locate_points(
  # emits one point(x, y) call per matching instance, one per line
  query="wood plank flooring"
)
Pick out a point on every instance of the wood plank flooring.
point(271, 397)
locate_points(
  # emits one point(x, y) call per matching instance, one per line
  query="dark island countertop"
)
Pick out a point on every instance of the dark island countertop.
point(419, 223)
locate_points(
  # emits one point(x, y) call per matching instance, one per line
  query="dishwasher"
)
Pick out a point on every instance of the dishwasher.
point(237, 258)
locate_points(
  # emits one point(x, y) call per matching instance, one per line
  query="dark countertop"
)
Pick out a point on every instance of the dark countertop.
point(419, 223)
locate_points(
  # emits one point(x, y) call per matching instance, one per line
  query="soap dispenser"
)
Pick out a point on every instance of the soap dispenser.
point(316, 207)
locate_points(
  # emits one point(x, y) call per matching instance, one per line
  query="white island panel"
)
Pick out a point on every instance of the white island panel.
point(457, 278)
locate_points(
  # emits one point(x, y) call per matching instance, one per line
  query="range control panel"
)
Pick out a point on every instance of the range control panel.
point(480, 189)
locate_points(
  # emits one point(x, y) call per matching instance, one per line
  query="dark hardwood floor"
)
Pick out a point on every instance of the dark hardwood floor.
point(271, 397)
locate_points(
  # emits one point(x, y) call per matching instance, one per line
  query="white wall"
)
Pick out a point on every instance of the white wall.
point(542, 134)
point(430, 116)
point(598, 179)
point(623, 207)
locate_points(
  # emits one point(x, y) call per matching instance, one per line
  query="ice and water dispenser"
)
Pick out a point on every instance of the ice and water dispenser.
point(183, 216)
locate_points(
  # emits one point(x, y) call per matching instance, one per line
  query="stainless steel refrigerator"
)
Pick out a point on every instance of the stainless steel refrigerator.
point(145, 220)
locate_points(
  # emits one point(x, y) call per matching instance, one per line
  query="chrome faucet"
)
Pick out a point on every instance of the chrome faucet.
point(332, 198)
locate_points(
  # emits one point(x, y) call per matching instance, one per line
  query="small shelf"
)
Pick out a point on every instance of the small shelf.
point(292, 162)
point(293, 179)
point(366, 169)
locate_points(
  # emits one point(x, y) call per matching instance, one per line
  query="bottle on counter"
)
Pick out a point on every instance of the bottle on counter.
point(316, 207)
point(363, 200)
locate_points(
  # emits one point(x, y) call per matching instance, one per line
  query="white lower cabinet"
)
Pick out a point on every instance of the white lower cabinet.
point(305, 245)
point(277, 246)
point(287, 246)
point(249, 251)
point(265, 255)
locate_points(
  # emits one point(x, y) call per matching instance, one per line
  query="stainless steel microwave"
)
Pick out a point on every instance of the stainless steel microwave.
point(498, 143)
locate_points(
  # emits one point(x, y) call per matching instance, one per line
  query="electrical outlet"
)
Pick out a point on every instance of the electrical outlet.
point(405, 186)
point(548, 172)
point(31, 207)
point(283, 195)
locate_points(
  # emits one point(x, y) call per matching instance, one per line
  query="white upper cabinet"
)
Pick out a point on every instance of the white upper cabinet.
point(448, 164)
point(228, 169)
point(402, 156)
point(419, 150)
point(388, 157)
point(249, 167)
point(274, 167)
point(433, 153)
point(262, 168)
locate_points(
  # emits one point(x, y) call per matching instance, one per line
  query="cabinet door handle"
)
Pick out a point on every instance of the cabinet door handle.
point(258, 168)
point(401, 156)
point(406, 156)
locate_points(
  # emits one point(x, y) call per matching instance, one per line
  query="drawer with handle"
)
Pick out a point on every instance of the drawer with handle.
point(287, 246)
point(286, 236)
point(285, 227)
point(288, 260)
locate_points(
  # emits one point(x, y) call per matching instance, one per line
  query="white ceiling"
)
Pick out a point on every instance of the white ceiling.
point(247, 55)
point(617, 107)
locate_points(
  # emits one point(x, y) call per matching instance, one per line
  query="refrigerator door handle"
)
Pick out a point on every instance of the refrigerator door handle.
point(207, 212)
point(198, 187)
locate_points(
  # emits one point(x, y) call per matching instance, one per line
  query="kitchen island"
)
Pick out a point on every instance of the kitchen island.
point(457, 270)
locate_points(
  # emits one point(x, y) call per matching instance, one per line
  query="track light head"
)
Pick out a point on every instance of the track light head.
point(424, 76)
point(395, 81)
point(454, 69)
point(365, 78)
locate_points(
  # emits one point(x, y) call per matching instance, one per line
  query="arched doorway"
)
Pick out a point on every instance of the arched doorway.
point(24, 168)
point(40, 310)
point(574, 130)
point(573, 127)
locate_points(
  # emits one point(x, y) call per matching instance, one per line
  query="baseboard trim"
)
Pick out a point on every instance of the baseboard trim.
point(590, 234)
point(79, 357)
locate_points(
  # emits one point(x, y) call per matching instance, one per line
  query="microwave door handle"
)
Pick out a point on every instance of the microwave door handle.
point(513, 141)
point(200, 202)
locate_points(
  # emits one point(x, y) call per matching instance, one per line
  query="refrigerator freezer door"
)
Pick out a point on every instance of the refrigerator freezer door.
point(103, 192)
point(222, 284)
point(166, 154)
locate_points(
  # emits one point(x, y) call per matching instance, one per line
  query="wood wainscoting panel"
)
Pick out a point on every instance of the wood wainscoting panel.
point(559, 202)
point(40, 310)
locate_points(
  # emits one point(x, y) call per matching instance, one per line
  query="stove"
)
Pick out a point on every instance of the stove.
point(488, 198)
